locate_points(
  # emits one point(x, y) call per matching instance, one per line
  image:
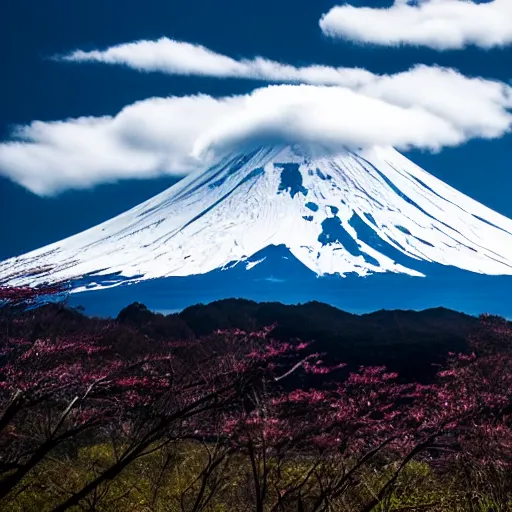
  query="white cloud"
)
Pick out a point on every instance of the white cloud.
point(438, 24)
point(181, 58)
point(327, 116)
point(423, 108)
point(477, 107)
point(444, 92)
point(149, 138)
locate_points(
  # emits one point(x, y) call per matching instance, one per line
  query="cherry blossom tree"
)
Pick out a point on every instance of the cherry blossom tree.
point(303, 432)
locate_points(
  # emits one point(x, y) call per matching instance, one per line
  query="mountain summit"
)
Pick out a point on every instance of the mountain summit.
point(346, 213)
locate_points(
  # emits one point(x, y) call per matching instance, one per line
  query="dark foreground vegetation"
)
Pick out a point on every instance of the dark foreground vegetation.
point(213, 410)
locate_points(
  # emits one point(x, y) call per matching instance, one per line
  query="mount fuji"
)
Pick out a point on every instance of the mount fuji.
point(359, 229)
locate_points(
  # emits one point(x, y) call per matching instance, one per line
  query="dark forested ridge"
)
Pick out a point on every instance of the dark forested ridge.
point(408, 342)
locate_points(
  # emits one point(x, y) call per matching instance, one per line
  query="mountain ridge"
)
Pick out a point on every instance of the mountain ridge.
point(409, 342)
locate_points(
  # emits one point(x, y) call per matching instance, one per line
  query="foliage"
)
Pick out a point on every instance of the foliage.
point(100, 415)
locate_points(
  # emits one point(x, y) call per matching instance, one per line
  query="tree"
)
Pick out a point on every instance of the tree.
point(257, 419)
point(60, 391)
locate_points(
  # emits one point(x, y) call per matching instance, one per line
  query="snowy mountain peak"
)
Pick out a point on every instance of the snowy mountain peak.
point(344, 212)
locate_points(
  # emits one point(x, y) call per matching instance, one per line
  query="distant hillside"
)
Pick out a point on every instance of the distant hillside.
point(409, 342)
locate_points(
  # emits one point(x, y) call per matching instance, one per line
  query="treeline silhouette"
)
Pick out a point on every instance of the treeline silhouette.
point(411, 343)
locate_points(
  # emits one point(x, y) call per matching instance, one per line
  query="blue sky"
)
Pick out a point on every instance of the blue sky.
point(36, 87)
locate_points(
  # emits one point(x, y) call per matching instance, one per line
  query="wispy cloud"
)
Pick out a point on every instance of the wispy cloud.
point(425, 107)
point(182, 58)
point(438, 24)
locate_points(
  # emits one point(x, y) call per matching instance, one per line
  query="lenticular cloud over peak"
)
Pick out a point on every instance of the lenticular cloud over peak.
point(332, 116)
point(424, 107)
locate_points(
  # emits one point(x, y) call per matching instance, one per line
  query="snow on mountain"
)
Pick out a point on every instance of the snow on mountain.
point(365, 212)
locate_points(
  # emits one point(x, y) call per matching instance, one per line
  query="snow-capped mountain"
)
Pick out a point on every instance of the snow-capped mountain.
point(350, 213)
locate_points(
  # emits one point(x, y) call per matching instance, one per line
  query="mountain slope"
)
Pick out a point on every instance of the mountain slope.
point(360, 213)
